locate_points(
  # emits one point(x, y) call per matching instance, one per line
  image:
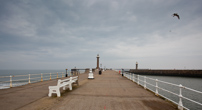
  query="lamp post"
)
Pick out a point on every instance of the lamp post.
point(66, 73)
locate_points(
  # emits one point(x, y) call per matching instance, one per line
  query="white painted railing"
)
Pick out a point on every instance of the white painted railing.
point(18, 80)
point(144, 83)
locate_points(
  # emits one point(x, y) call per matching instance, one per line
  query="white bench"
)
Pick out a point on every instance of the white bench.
point(65, 83)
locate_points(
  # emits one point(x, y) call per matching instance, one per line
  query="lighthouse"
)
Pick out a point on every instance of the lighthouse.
point(97, 61)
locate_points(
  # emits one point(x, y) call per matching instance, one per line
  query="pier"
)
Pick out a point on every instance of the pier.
point(109, 91)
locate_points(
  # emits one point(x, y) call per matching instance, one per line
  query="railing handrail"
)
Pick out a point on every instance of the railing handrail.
point(28, 74)
point(180, 105)
point(184, 87)
point(29, 77)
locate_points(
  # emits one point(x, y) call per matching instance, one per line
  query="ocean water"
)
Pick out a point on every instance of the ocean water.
point(22, 77)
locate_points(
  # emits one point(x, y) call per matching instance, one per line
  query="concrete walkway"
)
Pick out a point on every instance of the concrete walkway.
point(18, 97)
point(109, 91)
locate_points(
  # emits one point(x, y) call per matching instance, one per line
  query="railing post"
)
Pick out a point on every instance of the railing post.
point(11, 85)
point(29, 78)
point(62, 74)
point(57, 75)
point(180, 105)
point(50, 76)
point(133, 78)
point(130, 76)
point(157, 93)
point(41, 77)
point(138, 80)
point(145, 82)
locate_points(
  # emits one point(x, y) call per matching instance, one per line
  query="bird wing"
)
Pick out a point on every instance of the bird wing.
point(175, 14)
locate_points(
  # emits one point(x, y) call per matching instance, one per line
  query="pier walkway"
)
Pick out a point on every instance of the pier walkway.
point(109, 91)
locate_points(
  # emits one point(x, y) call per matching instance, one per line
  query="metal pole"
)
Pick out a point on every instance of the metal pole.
point(11, 81)
point(180, 105)
point(157, 93)
point(130, 76)
point(138, 80)
point(41, 77)
point(29, 78)
point(145, 82)
point(50, 76)
point(66, 73)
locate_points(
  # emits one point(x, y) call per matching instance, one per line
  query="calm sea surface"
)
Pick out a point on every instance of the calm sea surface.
point(21, 77)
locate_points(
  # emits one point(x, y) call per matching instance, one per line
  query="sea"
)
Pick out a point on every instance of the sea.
point(22, 77)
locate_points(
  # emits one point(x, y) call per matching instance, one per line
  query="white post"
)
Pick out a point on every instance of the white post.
point(50, 76)
point(156, 88)
point(138, 80)
point(133, 78)
point(145, 82)
point(180, 105)
point(11, 85)
point(41, 77)
point(29, 78)
point(130, 76)
point(70, 85)
point(57, 75)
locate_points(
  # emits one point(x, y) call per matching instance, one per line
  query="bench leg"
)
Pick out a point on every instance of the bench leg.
point(50, 93)
point(64, 88)
point(70, 86)
point(58, 92)
point(77, 83)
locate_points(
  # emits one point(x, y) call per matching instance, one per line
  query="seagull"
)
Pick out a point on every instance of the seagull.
point(175, 14)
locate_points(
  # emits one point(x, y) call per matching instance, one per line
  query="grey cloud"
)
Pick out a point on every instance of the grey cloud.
point(76, 30)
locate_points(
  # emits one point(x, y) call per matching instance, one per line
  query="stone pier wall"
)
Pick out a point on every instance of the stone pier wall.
point(184, 73)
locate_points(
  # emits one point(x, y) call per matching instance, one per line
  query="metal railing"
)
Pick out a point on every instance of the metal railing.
point(143, 81)
point(18, 80)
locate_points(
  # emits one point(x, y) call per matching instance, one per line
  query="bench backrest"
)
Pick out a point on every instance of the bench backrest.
point(75, 78)
point(60, 82)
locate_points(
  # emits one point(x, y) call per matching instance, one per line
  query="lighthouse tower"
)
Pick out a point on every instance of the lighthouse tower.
point(97, 61)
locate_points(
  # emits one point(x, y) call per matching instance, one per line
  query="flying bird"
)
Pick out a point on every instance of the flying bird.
point(175, 14)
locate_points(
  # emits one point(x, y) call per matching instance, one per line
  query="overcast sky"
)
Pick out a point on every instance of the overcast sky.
point(59, 34)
